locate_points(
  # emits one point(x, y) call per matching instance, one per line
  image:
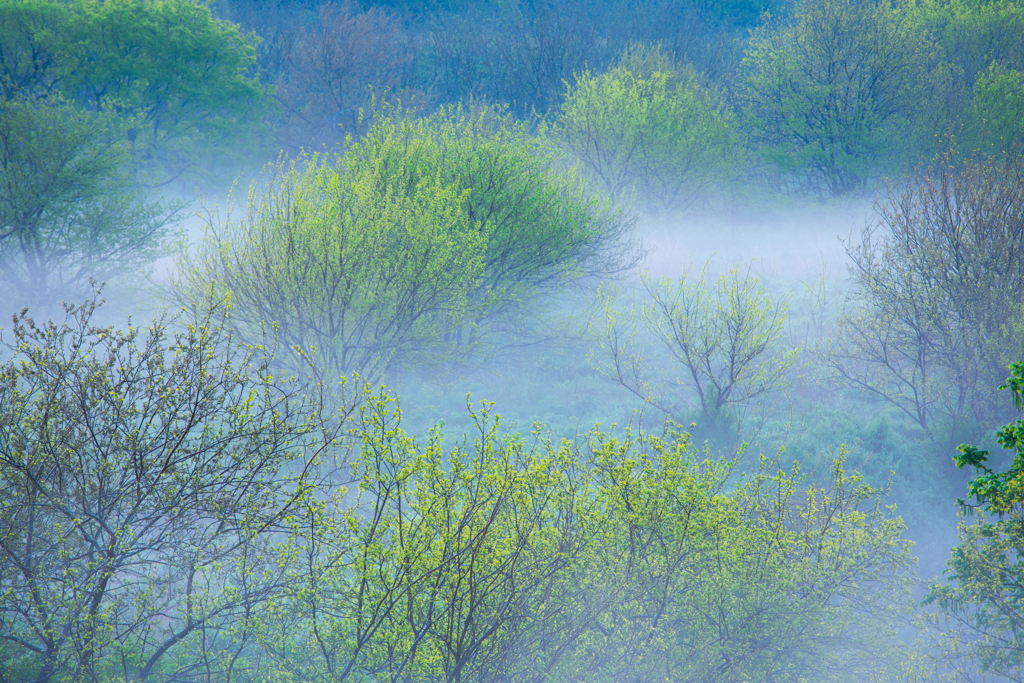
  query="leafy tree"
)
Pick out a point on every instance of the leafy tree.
point(981, 606)
point(937, 309)
point(833, 92)
point(756, 584)
point(68, 208)
point(609, 559)
point(173, 511)
point(724, 337)
point(544, 228)
point(356, 267)
point(973, 35)
point(998, 109)
point(649, 125)
point(177, 75)
point(434, 237)
point(145, 474)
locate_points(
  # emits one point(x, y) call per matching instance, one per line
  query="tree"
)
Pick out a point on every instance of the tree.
point(936, 306)
point(145, 474)
point(973, 36)
point(833, 93)
point(649, 126)
point(998, 109)
point(545, 229)
point(355, 267)
point(766, 582)
point(176, 75)
point(981, 610)
point(518, 53)
point(173, 511)
point(613, 558)
point(724, 337)
point(69, 210)
point(336, 69)
point(426, 238)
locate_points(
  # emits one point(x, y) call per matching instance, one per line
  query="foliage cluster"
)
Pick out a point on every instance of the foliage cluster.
point(831, 94)
point(173, 510)
point(980, 603)
point(68, 212)
point(649, 126)
point(144, 474)
point(177, 76)
point(428, 239)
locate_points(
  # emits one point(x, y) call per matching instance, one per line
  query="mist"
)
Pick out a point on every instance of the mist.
point(642, 340)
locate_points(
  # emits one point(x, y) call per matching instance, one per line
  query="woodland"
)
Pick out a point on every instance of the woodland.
point(511, 341)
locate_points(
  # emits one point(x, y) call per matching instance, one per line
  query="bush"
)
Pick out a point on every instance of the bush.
point(427, 239)
point(649, 126)
point(360, 271)
point(723, 345)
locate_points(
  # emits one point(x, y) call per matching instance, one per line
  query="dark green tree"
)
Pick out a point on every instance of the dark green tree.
point(177, 76)
point(982, 603)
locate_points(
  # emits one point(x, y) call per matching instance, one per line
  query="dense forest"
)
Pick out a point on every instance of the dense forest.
point(511, 341)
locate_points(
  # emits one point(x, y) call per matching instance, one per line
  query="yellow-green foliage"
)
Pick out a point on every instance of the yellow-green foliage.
point(999, 107)
point(650, 126)
point(615, 558)
point(355, 265)
point(423, 241)
point(720, 341)
point(543, 227)
point(180, 506)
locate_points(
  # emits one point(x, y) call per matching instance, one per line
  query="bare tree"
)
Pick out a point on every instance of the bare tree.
point(725, 339)
point(936, 314)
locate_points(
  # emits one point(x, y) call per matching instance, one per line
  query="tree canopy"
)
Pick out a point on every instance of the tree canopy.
point(832, 92)
point(70, 209)
point(144, 473)
point(177, 76)
point(426, 239)
point(650, 125)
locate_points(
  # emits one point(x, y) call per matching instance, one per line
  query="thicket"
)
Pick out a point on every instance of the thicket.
point(429, 240)
point(825, 96)
point(172, 509)
point(179, 507)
